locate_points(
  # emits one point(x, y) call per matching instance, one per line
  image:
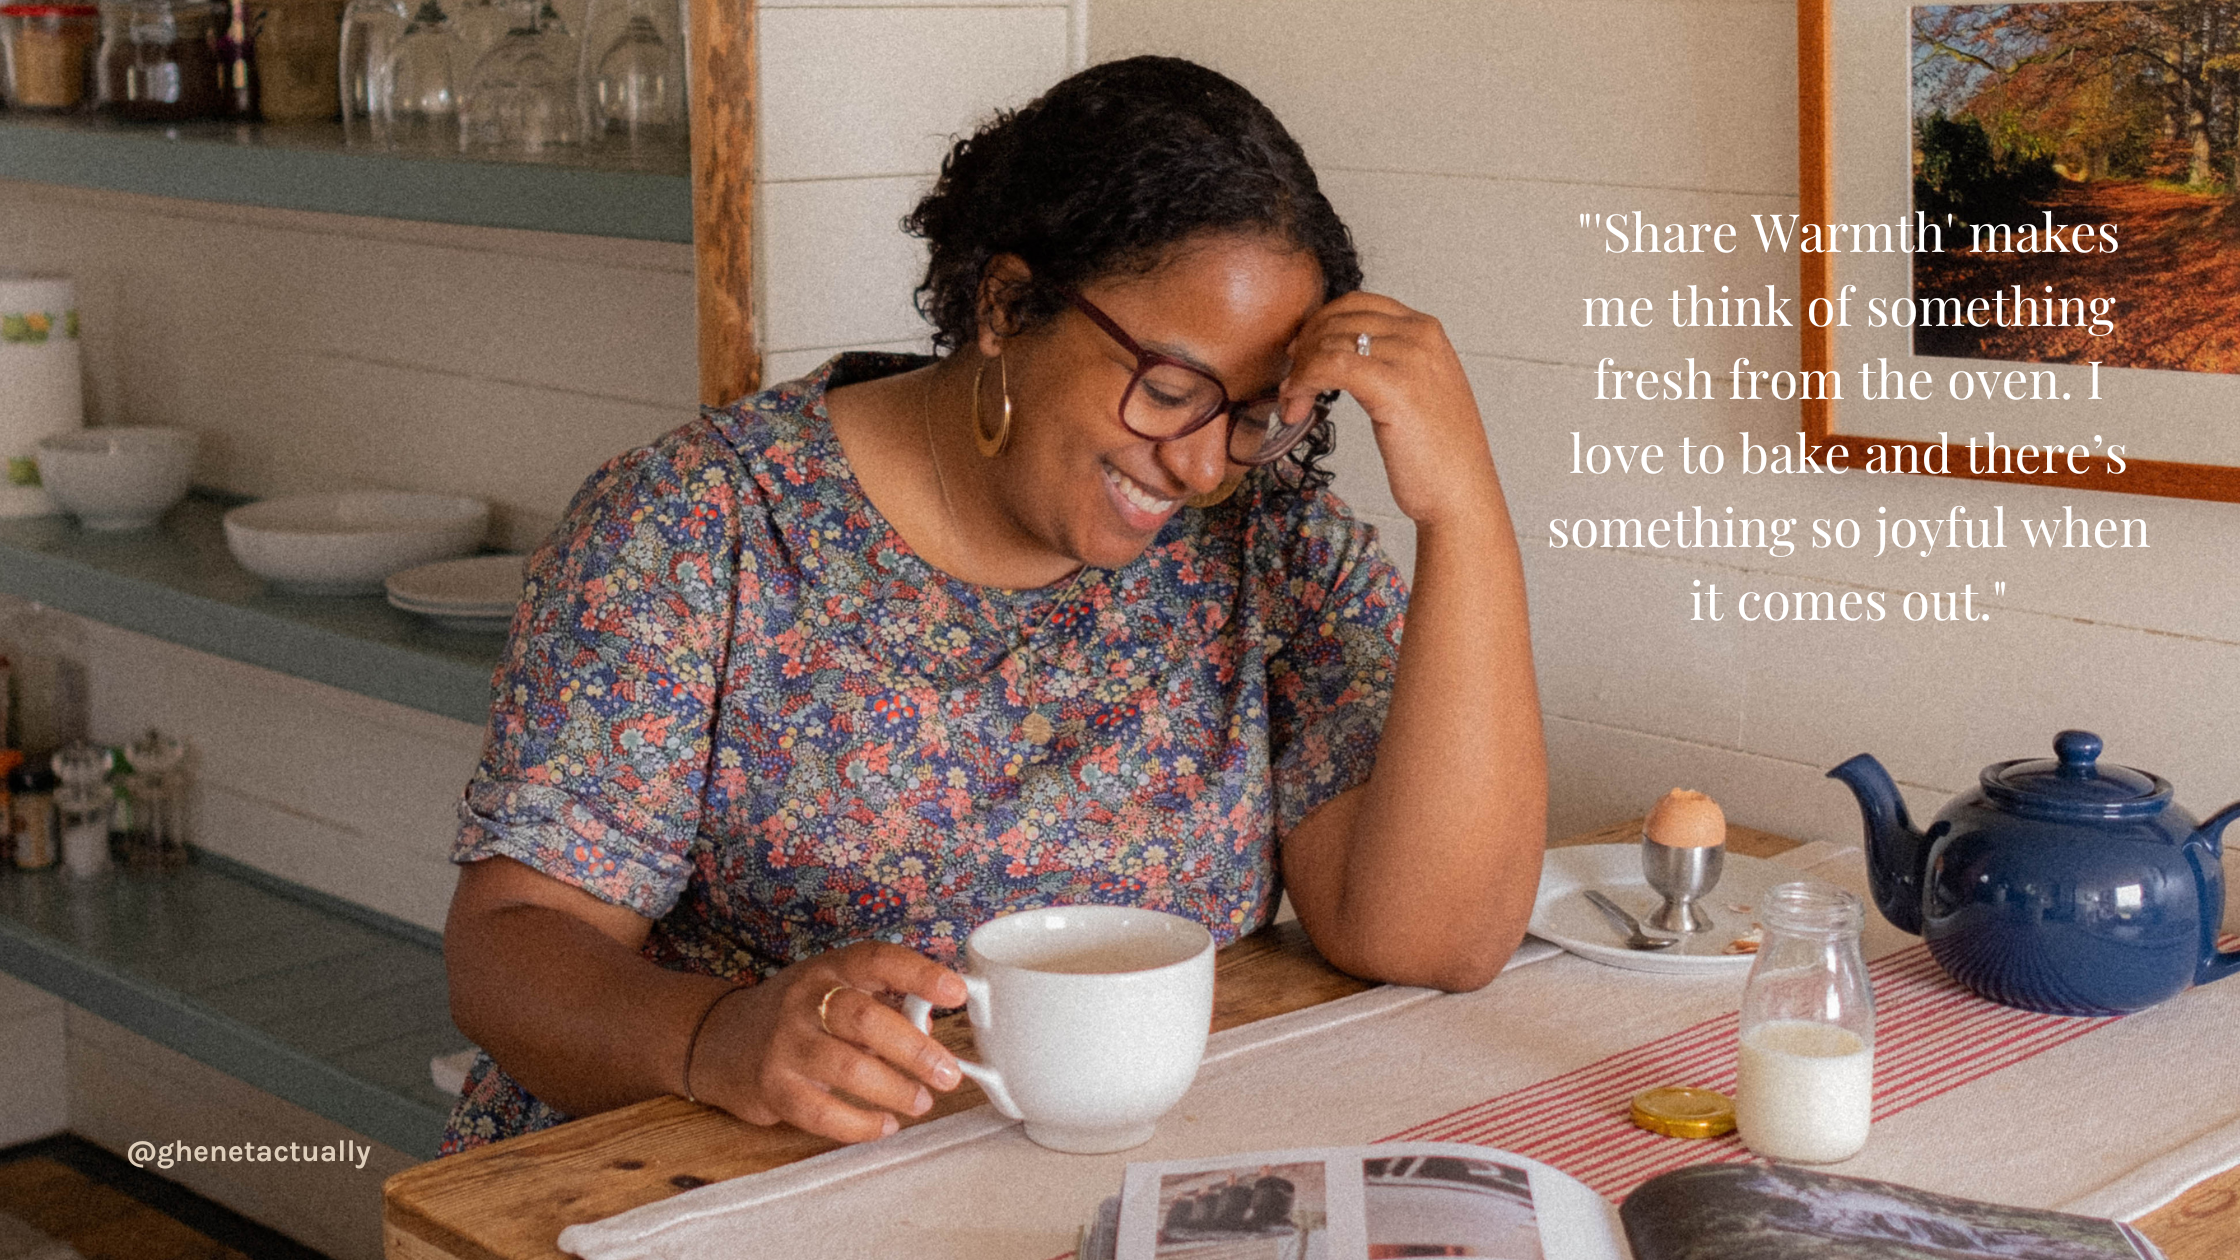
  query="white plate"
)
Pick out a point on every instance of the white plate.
point(475, 586)
point(1562, 915)
point(449, 620)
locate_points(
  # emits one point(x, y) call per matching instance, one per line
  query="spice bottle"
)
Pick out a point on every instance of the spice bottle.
point(82, 812)
point(83, 805)
point(158, 793)
point(32, 815)
point(1804, 1074)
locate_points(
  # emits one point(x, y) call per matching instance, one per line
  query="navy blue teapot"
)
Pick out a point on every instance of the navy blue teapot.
point(2067, 886)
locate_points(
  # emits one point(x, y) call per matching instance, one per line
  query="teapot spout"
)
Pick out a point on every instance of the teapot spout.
point(1897, 854)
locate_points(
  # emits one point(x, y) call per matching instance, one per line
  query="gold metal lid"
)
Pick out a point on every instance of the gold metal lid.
point(1681, 1112)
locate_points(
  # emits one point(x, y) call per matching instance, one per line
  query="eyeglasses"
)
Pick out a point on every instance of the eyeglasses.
point(1168, 399)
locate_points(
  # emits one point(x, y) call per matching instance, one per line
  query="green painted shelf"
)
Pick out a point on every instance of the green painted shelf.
point(328, 1005)
point(178, 583)
point(308, 167)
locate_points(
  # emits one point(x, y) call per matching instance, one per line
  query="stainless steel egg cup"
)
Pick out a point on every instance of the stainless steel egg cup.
point(1683, 876)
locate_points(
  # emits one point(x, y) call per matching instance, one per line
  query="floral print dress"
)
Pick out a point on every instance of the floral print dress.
point(737, 703)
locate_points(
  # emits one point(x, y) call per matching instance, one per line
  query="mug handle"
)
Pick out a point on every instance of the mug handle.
point(920, 1013)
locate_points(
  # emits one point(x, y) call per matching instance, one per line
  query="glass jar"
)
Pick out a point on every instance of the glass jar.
point(299, 52)
point(159, 59)
point(1804, 1074)
point(46, 55)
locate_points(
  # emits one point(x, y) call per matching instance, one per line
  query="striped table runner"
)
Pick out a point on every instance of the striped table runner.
point(1931, 1037)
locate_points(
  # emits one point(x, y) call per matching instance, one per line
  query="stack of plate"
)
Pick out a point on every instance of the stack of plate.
point(478, 593)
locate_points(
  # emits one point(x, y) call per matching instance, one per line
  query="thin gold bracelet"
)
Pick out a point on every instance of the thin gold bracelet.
point(692, 1046)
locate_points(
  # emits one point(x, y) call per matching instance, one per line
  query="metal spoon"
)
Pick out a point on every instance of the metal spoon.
point(1626, 923)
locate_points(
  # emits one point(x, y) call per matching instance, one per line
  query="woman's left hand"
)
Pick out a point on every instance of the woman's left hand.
point(1412, 385)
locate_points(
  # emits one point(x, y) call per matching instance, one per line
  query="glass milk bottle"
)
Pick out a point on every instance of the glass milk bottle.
point(1804, 1075)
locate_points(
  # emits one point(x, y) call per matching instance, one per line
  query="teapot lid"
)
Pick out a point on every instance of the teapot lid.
point(2075, 785)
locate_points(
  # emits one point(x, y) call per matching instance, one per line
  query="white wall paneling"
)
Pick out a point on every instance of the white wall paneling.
point(1462, 139)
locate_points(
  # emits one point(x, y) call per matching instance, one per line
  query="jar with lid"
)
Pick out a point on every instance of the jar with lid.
point(46, 55)
point(159, 59)
point(1804, 1072)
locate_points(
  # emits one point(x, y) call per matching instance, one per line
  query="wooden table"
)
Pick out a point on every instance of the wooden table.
point(510, 1200)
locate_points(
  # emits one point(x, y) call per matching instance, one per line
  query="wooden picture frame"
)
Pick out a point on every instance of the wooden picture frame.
point(1818, 77)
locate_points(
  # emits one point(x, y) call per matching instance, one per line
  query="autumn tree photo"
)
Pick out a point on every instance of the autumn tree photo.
point(2120, 115)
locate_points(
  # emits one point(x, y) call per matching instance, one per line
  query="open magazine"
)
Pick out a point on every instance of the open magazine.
point(1409, 1199)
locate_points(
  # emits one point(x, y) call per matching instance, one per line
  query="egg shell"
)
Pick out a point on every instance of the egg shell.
point(1686, 820)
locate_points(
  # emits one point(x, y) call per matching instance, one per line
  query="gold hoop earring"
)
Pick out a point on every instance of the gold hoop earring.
point(992, 446)
point(1219, 494)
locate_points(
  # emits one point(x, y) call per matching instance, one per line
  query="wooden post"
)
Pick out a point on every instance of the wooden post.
point(1816, 197)
point(723, 123)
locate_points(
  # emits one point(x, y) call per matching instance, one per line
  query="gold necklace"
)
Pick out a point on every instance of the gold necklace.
point(933, 452)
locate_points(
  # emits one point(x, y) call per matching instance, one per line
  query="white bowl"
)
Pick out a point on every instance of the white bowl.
point(345, 543)
point(117, 478)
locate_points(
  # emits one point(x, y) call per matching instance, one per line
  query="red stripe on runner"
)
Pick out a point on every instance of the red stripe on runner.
point(1931, 1035)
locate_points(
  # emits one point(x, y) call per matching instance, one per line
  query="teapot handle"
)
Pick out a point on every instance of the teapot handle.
point(2208, 873)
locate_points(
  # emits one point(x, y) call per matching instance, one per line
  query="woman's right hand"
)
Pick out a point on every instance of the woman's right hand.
point(766, 1056)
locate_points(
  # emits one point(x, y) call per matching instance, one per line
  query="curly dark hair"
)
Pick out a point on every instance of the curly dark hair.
point(1103, 175)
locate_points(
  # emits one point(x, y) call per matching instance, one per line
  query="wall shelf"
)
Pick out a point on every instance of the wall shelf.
point(307, 167)
point(327, 1005)
point(178, 583)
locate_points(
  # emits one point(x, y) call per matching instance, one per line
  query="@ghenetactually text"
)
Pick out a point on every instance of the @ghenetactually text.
point(169, 1154)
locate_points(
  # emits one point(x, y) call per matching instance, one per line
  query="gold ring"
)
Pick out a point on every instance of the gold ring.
point(824, 1006)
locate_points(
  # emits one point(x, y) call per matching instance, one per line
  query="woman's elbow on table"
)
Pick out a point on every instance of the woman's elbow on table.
point(1444, 916)
point(1458, 962)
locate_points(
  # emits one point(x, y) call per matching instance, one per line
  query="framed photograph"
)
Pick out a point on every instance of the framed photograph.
point(2032, 214)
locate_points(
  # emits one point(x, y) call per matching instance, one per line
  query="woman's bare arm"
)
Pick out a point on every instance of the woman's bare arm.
point(1425, 874)
point(549, 980)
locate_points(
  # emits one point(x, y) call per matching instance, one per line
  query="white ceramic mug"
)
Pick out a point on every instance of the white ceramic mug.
point(1091, 1020)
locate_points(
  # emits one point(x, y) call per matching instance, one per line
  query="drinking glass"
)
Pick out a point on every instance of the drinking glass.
point(1804, 1074)
point(633, 73)
point(521, 95)
point(370, 30)
point(422, 107)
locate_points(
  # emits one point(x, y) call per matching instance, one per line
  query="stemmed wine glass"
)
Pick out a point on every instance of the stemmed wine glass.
point(423, 102)
point(521, 95)
point(476, 28)
point(397, 85)
point(634, 85)
point(370, 30)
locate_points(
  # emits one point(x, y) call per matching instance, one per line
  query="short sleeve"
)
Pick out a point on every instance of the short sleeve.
point(1330, 678)
point(600, 728)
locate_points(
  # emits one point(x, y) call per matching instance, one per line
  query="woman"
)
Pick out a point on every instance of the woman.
point(807, 690)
